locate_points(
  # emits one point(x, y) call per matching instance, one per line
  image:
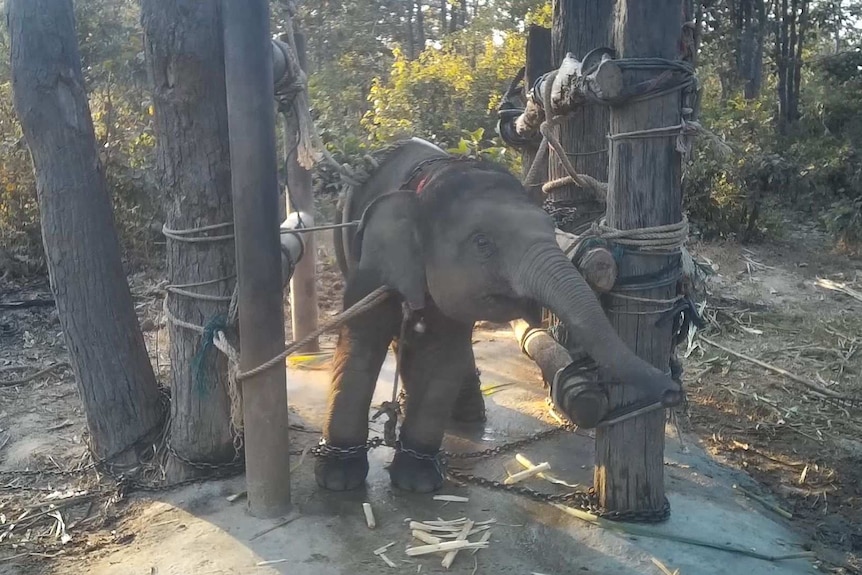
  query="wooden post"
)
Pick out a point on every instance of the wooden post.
point(579, 26)
point(538, 62)
point(644, 190)
point(300, 198)
point(251, 125)
point(82, 250)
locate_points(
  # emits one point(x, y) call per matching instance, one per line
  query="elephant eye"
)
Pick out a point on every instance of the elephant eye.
point(483, 243)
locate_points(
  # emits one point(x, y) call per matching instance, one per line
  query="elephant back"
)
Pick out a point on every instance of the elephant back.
point(396, 163)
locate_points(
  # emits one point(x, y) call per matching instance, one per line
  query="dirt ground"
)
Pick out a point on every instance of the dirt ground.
point(763, 301)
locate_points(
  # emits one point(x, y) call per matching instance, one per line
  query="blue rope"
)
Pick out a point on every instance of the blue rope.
point(216, 323)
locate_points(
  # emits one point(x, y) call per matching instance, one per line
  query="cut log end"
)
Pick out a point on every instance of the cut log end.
point(607, 81)
point(599, 269)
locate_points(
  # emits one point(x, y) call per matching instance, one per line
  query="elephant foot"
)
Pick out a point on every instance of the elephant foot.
point(340, 472)
point(416, 472)
point(470, 404)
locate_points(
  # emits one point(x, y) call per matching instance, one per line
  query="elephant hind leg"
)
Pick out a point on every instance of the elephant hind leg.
point(359, 355)
point(434, 371)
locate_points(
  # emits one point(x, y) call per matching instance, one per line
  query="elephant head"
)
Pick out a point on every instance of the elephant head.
point(483, 251)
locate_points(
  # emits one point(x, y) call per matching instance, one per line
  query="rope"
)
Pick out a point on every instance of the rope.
point(549, 140)
point(302, 230)
point(371, 300)
point(668, 237)
point(234, 390)
point(184, 235)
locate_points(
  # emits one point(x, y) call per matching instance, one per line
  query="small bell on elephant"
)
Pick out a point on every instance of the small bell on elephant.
point(419, 327)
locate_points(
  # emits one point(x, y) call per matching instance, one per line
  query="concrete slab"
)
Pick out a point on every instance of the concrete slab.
point(196, 531)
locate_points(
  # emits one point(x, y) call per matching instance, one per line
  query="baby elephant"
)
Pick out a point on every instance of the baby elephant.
point(459, 242)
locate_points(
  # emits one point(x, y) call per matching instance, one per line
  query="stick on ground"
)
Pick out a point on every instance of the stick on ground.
point(809, 384)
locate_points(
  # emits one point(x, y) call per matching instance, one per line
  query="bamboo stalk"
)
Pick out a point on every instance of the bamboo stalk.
point(527, 473)
point(546, 476)
point(445, 546)
point(426, 537)
point(462, 536)
point(369, 516)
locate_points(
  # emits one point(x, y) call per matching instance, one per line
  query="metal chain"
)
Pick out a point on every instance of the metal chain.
point(584, 500)
point(491, 452)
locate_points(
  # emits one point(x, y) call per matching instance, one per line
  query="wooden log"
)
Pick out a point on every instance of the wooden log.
point(597, 265)
point(599, 268)
point(572, 84)
point(644, 190)
point(251, 126)
point(300, 198)
point(82, 249)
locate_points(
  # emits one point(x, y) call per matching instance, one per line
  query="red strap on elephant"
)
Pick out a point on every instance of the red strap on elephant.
point(420, 185)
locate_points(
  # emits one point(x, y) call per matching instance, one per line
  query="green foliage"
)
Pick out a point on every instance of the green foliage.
point(722, 194)
point(444, 91)
point(474, 145)
point(115, 73)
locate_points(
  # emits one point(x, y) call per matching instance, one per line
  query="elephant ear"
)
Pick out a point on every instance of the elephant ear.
point(388, 243)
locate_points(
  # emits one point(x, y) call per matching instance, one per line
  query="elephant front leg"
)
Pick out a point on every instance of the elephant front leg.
point(470, 404)
point(359, 355)
point(434, 373)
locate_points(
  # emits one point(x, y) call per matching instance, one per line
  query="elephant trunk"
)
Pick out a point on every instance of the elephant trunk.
point(548, 277)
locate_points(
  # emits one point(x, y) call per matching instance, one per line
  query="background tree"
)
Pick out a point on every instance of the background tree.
point(106, 348)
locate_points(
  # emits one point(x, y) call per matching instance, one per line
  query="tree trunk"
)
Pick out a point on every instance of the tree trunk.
point(802, 27)
point(408, 31)
point(420, 27)
point(644, 190)
point(578, 27)
point(538, 62)
point(443, 19)
point(184, 50)
point(791, 62)
point(782, 61)
point(82, 249)
point(453, 18)
point(755, 79)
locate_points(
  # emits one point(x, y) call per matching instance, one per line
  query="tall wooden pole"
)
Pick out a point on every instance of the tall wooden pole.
point(299, 198)
point(251, 125)
point(579, 26)
point(644, 190)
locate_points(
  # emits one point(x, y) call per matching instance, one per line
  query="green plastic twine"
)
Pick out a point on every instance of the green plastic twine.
point(217, 323)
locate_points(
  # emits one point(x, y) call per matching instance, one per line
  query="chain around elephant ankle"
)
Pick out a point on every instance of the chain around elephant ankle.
point(437, 458)
point(324, 449)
